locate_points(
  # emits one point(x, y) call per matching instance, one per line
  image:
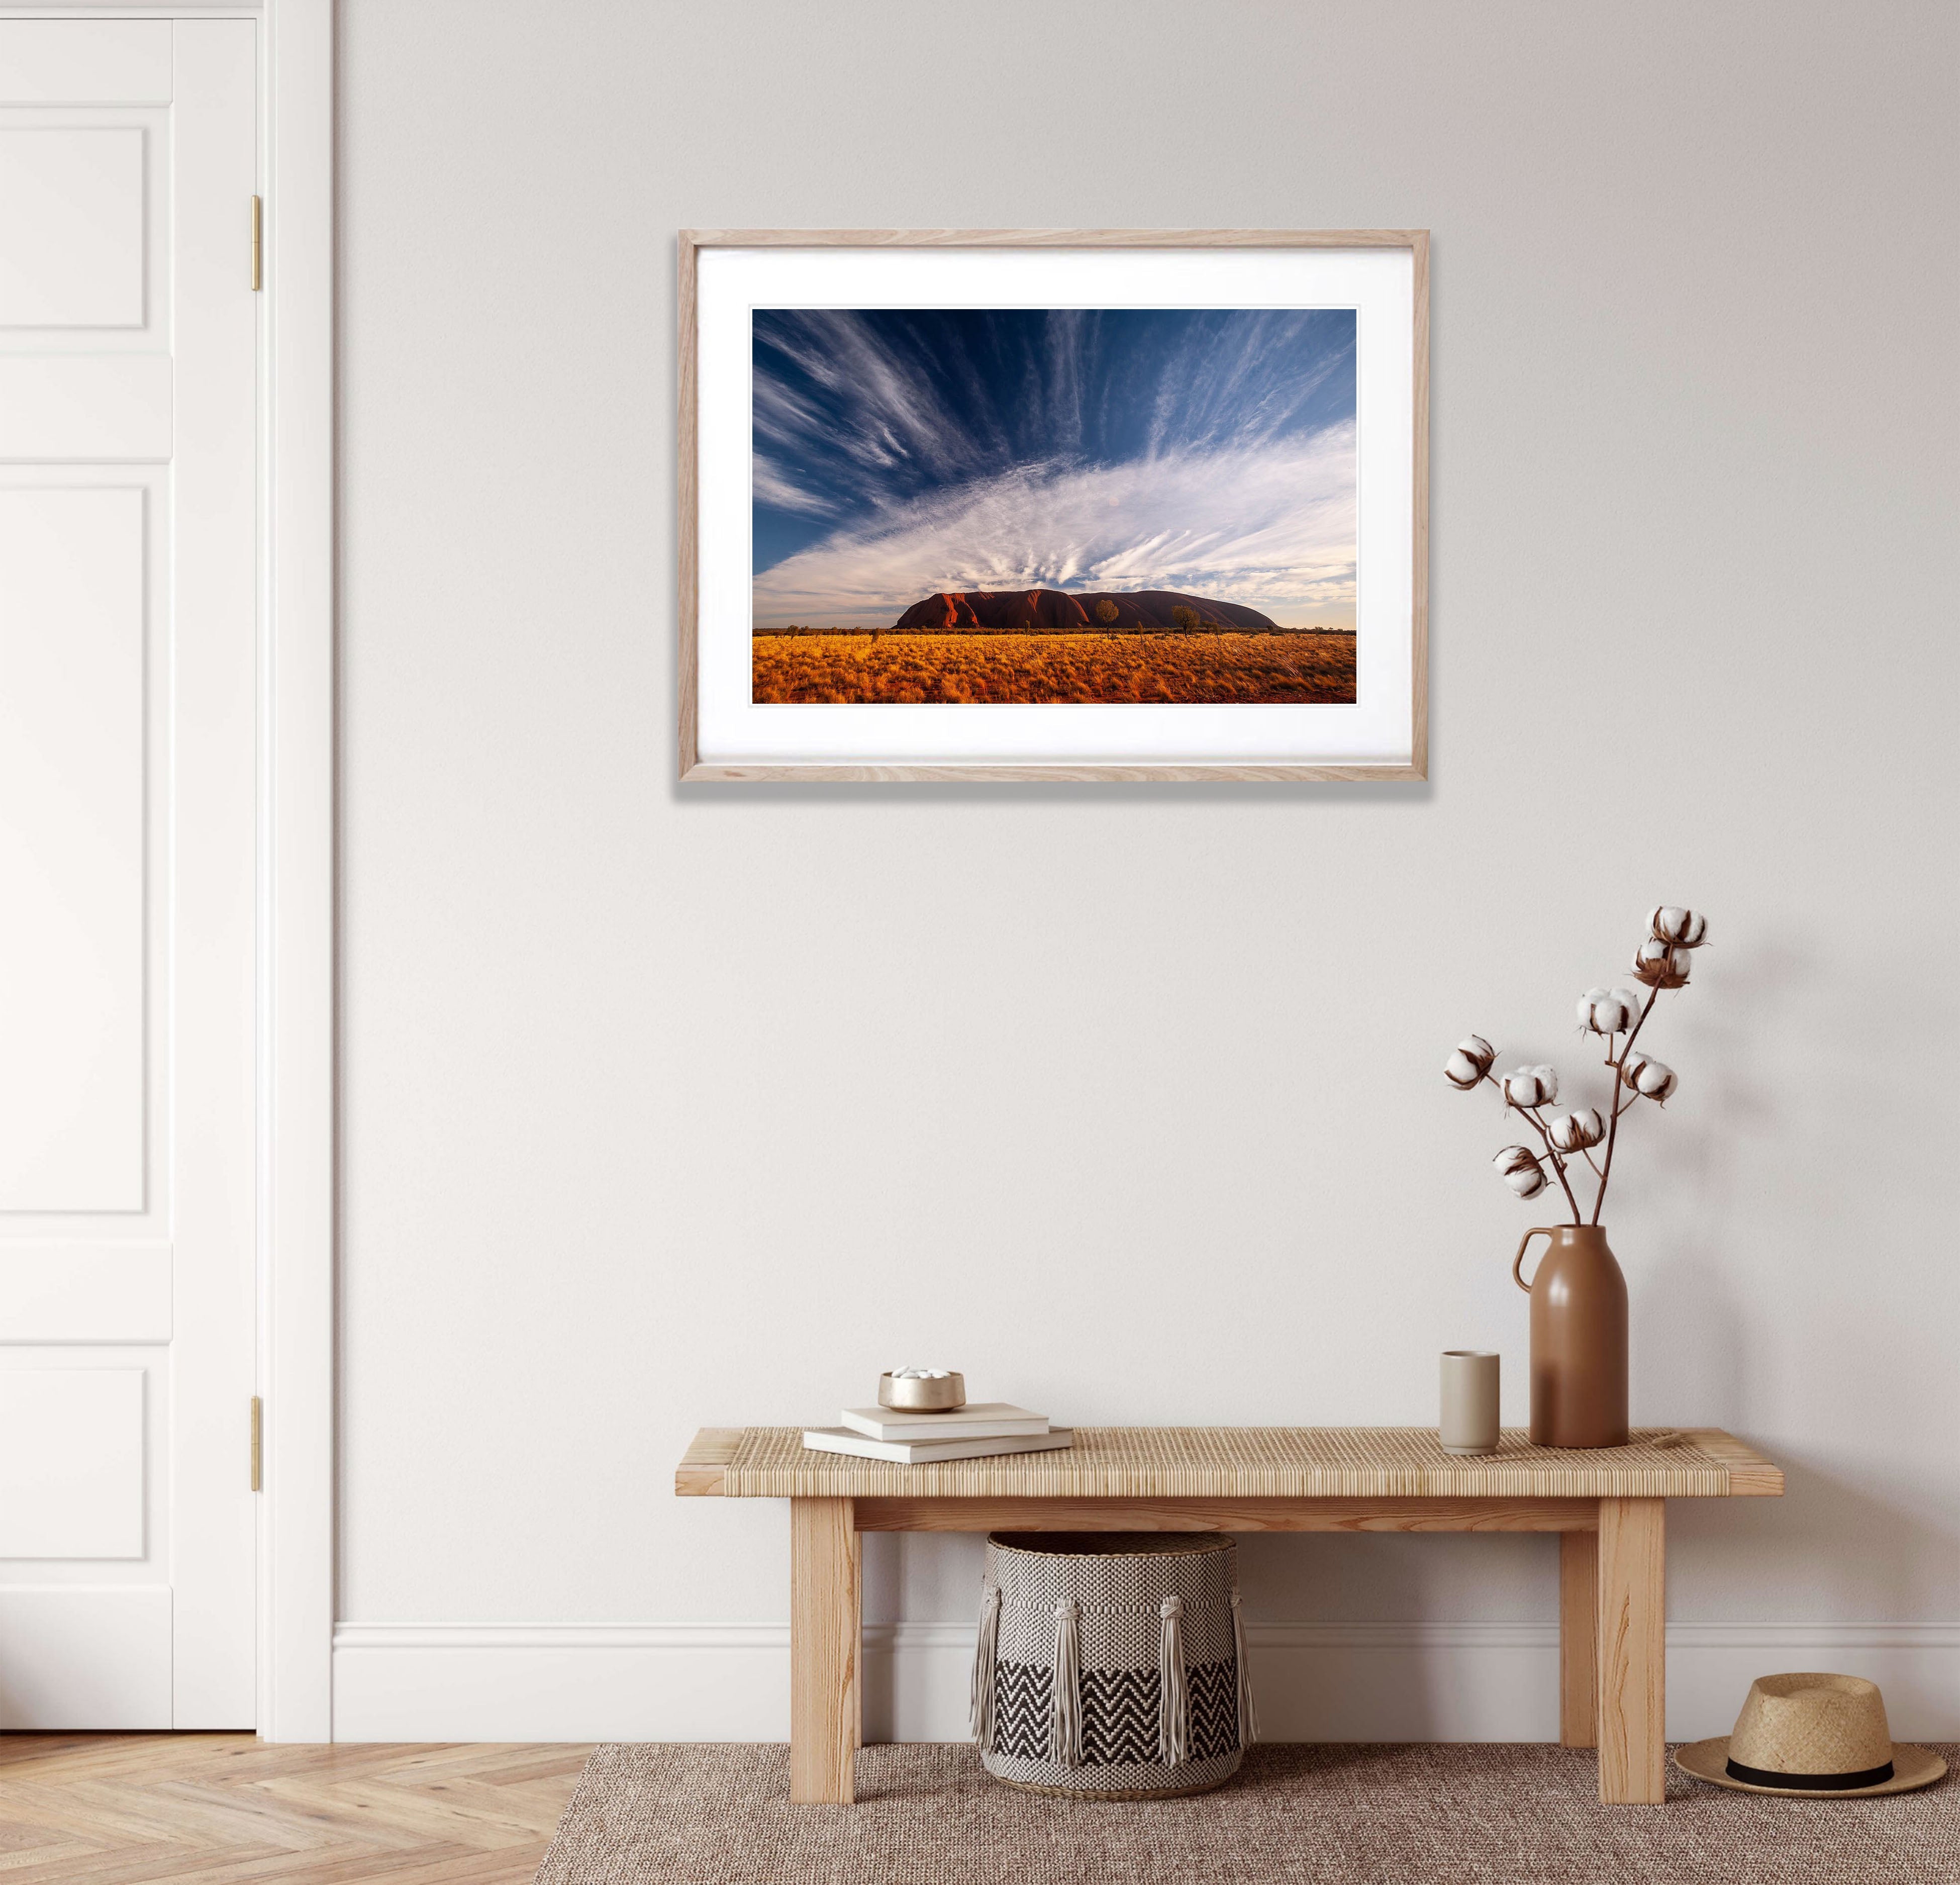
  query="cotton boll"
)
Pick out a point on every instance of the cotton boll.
point(1662, 965)
point(1574, 1132)
point(1471, 1061)
point(1649, 1077)
point(1685, 928)
point(1607, 1010)
point(1532, 1086)
point(1519, 1168)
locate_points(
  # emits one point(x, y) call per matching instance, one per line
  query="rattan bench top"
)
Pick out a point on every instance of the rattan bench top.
point(1242, 1463)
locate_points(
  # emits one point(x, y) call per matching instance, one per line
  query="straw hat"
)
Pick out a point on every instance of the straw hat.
point(1824, 1736)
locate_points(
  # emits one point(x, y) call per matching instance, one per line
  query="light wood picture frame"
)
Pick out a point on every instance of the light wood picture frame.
point(729, 280)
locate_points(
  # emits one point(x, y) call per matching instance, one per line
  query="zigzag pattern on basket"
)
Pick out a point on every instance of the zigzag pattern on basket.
point(1021, 1693)
point(1119, 1716)
point(1119, 1712)
point(1214, 1709)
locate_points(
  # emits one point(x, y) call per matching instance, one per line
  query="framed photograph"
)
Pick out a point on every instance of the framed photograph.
point(1054, 504)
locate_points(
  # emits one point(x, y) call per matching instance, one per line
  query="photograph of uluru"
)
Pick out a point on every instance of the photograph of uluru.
point(1026, 506)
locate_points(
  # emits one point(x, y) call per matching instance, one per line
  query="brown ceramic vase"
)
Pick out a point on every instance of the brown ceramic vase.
point(1578, 1339)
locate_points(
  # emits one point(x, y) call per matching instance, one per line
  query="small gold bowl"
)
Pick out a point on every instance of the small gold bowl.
point(944, 1395)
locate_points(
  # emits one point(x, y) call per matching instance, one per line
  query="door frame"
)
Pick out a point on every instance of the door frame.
point(295, 1154)
point(298, 1187)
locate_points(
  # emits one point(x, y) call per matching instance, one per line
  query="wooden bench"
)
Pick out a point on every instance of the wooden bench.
point(1608, 1507)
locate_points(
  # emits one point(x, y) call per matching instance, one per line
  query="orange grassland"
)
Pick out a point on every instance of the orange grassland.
point(1026, 669)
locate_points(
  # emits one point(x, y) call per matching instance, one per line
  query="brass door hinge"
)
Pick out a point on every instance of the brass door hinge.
point(258, 244)
point(258, 1445)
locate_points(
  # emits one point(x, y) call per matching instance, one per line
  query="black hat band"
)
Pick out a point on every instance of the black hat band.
point(1813, 1783)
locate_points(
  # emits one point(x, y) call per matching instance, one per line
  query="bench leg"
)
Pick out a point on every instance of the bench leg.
point(1633, 1650)
point(1578, 1639)
point(824, 1623)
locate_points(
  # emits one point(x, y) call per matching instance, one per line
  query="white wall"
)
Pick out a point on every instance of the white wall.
point(664, 1108)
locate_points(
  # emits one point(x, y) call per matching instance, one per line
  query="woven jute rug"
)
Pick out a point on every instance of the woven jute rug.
point(1403, 1814)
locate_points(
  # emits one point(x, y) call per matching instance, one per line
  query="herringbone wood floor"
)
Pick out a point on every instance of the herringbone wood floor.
point(228, 1809)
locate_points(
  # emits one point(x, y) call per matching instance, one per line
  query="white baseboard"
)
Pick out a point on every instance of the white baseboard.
point(1315, 1682)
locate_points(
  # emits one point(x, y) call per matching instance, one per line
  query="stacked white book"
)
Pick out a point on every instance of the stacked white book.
point(910, 1439)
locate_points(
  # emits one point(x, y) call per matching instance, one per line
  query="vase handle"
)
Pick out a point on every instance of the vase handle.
point(1518, 1261)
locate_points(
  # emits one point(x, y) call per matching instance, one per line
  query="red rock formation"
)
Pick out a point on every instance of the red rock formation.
point(1030, 611)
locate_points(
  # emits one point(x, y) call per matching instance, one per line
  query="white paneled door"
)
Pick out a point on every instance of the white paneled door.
point(128, 381)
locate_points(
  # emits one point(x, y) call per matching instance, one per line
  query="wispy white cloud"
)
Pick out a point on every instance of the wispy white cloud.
point(771, 486)
point(895, 409)
point(1270, 524)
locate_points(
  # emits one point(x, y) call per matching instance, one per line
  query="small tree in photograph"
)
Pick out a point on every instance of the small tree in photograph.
point(1106, 612)
point(1185, 616)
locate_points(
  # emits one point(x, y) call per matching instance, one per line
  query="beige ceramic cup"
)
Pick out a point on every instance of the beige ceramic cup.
point(1469, 1423)
point(922, 1394)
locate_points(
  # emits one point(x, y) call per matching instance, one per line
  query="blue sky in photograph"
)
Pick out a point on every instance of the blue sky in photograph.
point(899, 453)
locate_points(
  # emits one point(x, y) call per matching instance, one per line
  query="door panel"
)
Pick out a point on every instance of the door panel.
point(128, 838)
point(76, 1491)
point(71, 849)
point(71, 226)
point(76, 1292)
point(100, 409)
point(100, 1656)
point(87, 61)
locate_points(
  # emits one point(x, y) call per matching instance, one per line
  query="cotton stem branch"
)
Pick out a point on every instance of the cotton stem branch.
point(1551, 1153)
point(1619, 1080)
point(1550, 1150)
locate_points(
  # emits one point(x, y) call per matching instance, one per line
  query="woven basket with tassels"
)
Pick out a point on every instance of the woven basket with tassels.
point(1111, 1666)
